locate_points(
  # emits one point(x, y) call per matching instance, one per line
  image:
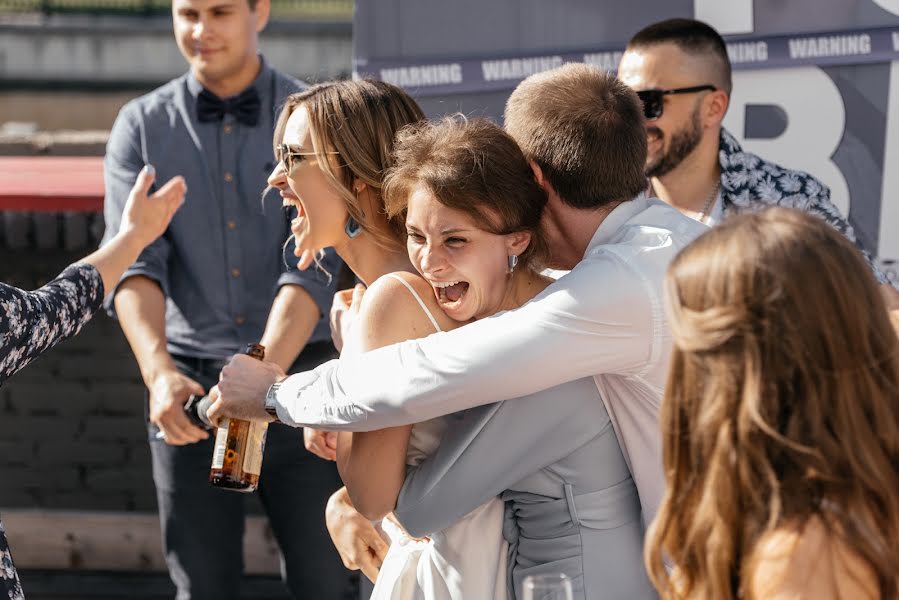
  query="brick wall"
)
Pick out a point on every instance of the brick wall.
point(72, 425)
point(72, 432)
point(72, 428)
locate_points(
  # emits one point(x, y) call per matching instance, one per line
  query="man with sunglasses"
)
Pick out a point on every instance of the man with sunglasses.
point(681, 72)
point(218, 279)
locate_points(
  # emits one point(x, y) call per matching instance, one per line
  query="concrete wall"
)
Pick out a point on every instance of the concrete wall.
point(53, 110)
point(77, 73)
point(116, 52)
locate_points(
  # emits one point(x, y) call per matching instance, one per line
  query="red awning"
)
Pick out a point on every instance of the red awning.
point(51, 183)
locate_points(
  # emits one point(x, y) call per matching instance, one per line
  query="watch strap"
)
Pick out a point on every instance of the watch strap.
point(271, 404)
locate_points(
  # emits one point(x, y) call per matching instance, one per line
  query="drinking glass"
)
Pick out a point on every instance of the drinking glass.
point(547, 587)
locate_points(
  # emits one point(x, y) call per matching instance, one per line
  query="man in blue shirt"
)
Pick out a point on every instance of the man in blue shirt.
point(216, 280)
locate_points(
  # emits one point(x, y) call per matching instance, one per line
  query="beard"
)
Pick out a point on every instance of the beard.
point(683, 142)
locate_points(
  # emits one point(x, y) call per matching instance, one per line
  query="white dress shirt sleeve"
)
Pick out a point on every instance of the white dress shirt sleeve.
point(600, 318)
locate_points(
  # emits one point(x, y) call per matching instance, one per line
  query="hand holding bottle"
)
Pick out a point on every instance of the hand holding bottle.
point(169, 391)
point(240, 393)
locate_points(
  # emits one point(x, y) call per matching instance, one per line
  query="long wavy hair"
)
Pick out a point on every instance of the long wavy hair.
point(782, 404)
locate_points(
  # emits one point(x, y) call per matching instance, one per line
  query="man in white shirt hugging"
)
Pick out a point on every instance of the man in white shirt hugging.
point(583, 132)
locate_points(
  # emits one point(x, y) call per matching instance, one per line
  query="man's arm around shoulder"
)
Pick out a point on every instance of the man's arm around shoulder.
point(598, 319)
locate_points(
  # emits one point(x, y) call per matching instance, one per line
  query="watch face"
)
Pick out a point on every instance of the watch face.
point(270, 405)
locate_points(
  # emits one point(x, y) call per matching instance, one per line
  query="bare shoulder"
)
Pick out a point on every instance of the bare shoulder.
point(390, 313)
point(812, 562)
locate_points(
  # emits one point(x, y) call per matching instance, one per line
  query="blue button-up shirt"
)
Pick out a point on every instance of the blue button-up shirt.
point(223, 258)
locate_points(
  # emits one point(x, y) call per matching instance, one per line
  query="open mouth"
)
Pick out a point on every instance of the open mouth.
point(296, 224)
point(450, 293)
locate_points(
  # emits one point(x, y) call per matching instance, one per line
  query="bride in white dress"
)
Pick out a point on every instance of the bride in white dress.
point(470, 243)
point(465, 560)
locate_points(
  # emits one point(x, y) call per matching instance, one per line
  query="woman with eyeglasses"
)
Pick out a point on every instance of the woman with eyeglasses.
point(335, 145)
point(33, 322)
point(780, 423)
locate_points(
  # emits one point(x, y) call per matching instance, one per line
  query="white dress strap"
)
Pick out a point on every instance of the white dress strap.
point(421, 302)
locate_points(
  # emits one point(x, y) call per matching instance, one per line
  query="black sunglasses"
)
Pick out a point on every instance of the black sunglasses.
point(291, 157)
point(653, 102)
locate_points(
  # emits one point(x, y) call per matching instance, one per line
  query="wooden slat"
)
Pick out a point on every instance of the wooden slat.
point(108, 541)
point(51, 183)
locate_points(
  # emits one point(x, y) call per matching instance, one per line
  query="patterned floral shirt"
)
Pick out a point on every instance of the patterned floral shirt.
point(31, 323)
point(751, 183)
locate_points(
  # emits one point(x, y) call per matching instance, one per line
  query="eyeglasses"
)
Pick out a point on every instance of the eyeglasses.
point(287, 155)
point(653, 102)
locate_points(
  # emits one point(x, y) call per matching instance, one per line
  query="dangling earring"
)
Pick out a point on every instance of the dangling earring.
point(513, 262)
point(352, 228)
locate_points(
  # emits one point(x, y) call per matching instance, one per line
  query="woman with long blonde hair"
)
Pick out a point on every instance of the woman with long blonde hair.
point(780, 421)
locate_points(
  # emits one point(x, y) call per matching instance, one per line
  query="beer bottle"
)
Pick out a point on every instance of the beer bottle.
point(237, 458)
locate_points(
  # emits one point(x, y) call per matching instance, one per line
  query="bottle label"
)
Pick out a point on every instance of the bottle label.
point(252, 462)
point(221, 444)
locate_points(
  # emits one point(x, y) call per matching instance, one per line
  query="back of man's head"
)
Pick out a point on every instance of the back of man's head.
point(585, 131)
point(691, 37)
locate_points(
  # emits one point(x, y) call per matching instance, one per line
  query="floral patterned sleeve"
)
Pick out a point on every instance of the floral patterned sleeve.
point(818, 203)
point(30, 323)
point(749, 182)
point(10, 588)
point(33, 322)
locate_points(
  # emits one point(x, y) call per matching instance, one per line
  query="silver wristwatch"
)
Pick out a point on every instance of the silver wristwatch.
point(270, 402)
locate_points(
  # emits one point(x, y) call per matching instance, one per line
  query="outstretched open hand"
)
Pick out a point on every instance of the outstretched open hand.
point(148, 216)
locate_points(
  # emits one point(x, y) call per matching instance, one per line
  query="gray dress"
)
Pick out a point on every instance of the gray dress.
point(571, 504)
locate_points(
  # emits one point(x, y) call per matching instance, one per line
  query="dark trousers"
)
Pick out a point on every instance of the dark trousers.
point(202, 526)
